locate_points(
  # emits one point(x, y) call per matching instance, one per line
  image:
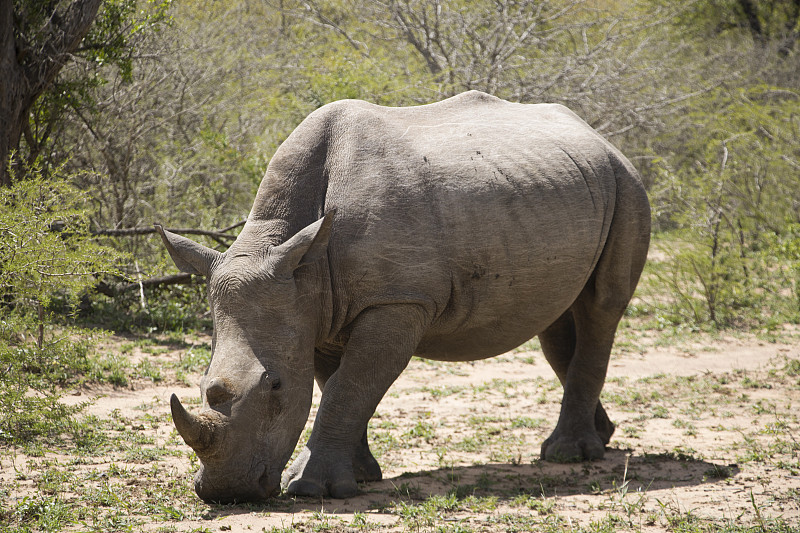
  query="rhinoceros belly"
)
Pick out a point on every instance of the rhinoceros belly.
point(492, 310)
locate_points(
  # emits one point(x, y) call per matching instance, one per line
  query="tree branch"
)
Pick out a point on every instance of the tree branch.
point(327, 22)
point(220, 235)
point(424, 49)
point(65, 33)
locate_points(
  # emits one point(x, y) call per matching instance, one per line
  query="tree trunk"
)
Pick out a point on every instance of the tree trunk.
point(753, 23)
point(12, 90)
point(13, 114)
point(11, 117)
point(27, 69)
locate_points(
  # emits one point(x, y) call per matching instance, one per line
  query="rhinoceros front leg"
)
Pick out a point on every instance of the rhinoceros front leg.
point(558, 344)
point(380, 346)
point(365, 467)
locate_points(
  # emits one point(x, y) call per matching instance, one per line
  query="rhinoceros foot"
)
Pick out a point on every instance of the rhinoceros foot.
point(605, 427)
point(561, 447)
point(365, 467)
point(310, 476)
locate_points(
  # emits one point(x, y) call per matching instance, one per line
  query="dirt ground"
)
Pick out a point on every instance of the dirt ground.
point(707, 433)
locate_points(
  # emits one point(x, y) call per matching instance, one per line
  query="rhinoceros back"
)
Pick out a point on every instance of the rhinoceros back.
point(490, 215)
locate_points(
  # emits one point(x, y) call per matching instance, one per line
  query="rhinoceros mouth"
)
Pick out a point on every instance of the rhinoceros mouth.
point(262, 488)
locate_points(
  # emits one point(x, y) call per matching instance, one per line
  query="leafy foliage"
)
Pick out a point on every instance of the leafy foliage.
point(766, 21)
point(47, 249)
point(47, 261)
point(732, 194)
point(110, 46)
point(172, 113)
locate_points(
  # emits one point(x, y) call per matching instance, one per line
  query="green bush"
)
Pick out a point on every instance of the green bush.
point(48, 260)
point(178, 308)
point(729, 200)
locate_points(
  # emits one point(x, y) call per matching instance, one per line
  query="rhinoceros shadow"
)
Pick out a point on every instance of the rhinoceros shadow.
point(620, 468)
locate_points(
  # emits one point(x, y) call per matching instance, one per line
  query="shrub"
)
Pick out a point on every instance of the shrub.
point(731, 202)
point(48, 259)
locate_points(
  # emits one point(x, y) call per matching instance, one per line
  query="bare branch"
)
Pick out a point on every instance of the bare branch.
point(64, 33)
point(326, 22)
point(126, 232)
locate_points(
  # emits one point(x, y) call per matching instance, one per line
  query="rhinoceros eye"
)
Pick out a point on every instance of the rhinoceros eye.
point(273, 381)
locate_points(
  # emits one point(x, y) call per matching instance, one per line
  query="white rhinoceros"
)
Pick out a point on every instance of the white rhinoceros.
point(453, 231)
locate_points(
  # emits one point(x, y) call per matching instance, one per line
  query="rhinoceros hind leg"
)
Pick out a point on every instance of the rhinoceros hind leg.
point(560, 449)
point(604, 426)
point(576, 436)
point(583, 428)
point(570, 450)
point(558, 344)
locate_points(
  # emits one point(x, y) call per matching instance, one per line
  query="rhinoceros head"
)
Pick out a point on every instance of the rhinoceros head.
point(257, 389)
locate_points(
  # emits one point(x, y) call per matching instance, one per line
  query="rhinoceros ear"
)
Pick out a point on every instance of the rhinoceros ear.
point(189, 256)
point(304, 248)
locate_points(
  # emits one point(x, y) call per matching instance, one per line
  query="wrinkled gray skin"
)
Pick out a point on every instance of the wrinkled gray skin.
point(454, 231)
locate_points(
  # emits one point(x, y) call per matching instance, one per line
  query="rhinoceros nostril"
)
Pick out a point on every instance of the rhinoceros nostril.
point(218, 392)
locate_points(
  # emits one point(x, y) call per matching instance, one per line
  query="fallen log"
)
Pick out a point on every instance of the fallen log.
point(116, 289)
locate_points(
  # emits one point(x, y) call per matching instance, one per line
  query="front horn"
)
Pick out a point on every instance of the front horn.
point(197, 431)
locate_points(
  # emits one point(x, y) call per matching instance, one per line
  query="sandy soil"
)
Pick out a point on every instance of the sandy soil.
point(708, 430)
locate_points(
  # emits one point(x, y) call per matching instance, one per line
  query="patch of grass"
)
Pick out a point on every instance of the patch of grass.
point(515, 522)
point(196, 359)
point(679, 453)
point(407, 489)
point(477, 504)
point(359, 521)
point(38, 513)
point(717, 472)
point(149, 370)
point(542, 506)
point(381, 442)
point(482, 420)
point(630, 398)
point(111, 368)
point(442, 391)
point(377, 423)
point(686, 425)
point(427, 513)
point(749, 383)
point(763, 407)
point(659, 411)
point(632, 432)
point(88, 435)
point(500, 386)
point(792, 367)
point(422, 429)
point(528, 422)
